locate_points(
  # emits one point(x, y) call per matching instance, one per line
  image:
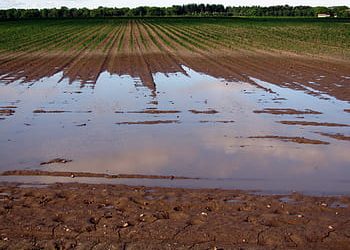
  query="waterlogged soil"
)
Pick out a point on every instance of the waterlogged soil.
point(279, 111)
point(223, 134)
point(336, 136)
point(307, 123)
point(301, 140)
point(148, 122)
point(83, 216)
point(82, 174)
point(165, 111)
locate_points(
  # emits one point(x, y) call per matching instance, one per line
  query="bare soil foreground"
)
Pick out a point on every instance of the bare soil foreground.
point(82, 216)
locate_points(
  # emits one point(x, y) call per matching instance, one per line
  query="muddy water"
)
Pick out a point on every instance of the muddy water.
point(192, 125)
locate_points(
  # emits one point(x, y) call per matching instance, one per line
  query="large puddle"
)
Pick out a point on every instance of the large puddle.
point(228, 134)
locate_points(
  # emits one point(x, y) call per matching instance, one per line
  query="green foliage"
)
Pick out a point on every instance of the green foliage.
point(176, 10)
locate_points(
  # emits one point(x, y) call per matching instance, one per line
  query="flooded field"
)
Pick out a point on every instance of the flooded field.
point(176, 133)
point(177, 102)
point(223, 133)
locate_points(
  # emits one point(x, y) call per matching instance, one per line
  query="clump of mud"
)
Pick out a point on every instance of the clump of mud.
point(7, 110)
point(42, 111)
point(306, 123)
point(206, 121)
point(85, 174)
point(155, 111)
point(208, 112)
point(56, 160)
point(286, 111)
point(337, 136)
point(301, 140)
point(149, 122)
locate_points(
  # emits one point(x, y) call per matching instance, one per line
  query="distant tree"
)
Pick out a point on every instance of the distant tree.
point(175, 10)
point(321, 10)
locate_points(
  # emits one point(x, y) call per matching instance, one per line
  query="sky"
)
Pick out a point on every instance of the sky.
point(6, 4)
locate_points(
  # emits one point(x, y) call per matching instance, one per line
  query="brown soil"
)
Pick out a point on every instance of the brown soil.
point(82, 216)
point(41, 111)
point(155, 111)
point(336, 136)
point(85, 174)
point(8, 107)
point(6, 112)
point(149, 122)
point(286, 111)
point(216, 121)
point(56, 160)
point(301, 140)
point(141, 49)
point(208, 112)
point(305, 123)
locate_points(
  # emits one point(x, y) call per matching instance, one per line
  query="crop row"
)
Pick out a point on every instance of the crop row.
point(177, 35)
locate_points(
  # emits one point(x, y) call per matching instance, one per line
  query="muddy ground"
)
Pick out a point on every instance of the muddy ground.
point(82, 216)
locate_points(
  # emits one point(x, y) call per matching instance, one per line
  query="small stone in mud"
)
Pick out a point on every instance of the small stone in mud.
point(56, 160)
point(93, 220)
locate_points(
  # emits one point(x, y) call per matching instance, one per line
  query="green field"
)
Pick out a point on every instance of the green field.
point(329, 37)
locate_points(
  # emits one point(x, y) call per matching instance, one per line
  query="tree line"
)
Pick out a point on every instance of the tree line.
point(175, 10)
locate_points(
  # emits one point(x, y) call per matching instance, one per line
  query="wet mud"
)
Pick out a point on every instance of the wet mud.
point(56, 160)
point(208, 112)
point(336, 136)
point(148, 122)
point(306, 123)
point(287, 111)
point(6, 112)
point(82, 174)
point(155, 111)
point(301, 140)
point(85, 216)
